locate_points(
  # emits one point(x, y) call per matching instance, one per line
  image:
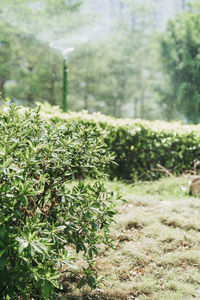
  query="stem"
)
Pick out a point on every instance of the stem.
point(64, 103)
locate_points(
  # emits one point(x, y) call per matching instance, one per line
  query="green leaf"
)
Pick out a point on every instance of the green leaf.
point(2, 252)
point(39, 247)
point(3, 262)
point(12, 147)
point(81, 282)
point(2, 232)
point(46, 289)
point(2, 245)
point(23, 244)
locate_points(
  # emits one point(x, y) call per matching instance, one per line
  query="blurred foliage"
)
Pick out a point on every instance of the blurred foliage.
point(28, 69)
point(129, 72)
point(181, 66)
point(47, 19)
point(115, 74)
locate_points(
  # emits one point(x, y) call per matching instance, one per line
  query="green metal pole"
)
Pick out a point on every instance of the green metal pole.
point(64, 103)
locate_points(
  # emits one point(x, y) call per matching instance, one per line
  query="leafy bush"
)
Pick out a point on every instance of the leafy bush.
point(139, 145)
point(40, 213)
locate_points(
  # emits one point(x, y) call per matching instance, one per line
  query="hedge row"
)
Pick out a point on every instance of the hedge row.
point(141, 147)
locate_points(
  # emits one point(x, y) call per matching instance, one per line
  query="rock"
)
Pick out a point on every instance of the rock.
point(195, 187)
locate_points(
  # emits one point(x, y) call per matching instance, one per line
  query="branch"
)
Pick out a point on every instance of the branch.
point(163, 170)
point(72, 272)
point(196, 164)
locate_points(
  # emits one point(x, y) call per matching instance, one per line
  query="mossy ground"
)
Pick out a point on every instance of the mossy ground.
point(157, 240)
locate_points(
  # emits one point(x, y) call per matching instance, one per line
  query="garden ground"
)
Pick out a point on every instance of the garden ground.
point(157, 240)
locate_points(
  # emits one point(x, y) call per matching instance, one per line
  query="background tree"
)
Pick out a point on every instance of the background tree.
point(181, 65)
point(5, 57)
point(37, 73)
point(29, 71)
point(45, 19)
point(115, 75)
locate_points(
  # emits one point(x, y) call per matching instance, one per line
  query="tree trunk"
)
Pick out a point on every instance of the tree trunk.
point(142, 105)
point(30, 97)
point(52, 92)
point(52, 88)
point(2, 92)
point(85, 99)
point(135, 113)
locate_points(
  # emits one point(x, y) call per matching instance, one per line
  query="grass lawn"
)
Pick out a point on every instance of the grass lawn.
point(157, 239)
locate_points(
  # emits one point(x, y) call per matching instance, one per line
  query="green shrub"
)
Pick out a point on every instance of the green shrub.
point(141, 152)
point(139, 145)
point(40, 213)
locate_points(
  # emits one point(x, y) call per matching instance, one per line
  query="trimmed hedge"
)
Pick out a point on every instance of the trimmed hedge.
point(139, 146)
